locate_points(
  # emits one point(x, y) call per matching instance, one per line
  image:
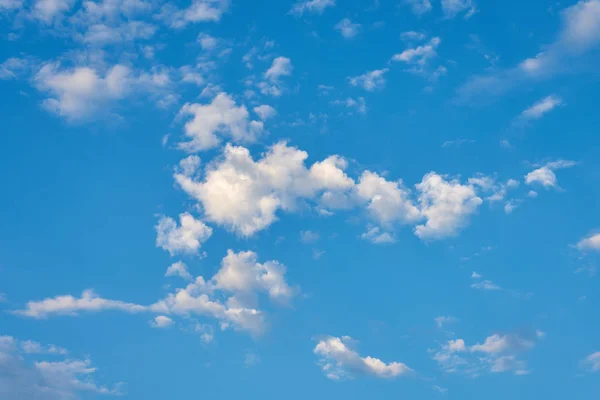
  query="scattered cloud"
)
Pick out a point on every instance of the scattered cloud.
point(198, 11)
point(265, 112)
point(311, 6)
point(542, 107)
point(309, 236)
point(419, 7)
point(357, 104)
point(590, 243)
point(222, 118)
point(452, 8)
point(183, 239)
point(375, 235)
point(592, 362)
point(161, 321)
point(442, 320)
point(179, 269)
point(370, 81)
point(545, 175)
point(347, 28)
point(339, 361)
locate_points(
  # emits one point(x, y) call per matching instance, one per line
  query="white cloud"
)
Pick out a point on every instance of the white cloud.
point(99, 34)
point(69, 305)
point(370, 81)
point(13, 67)
point(220, 118)
point(542, 107)
point(386, 201)
point(413, 35)
point(207, 42)
point(339, 361)
point(10, 5)
point(452, 8)
point(31, 347)
point(419, 7)
point(445, 320)
point(198, 11)
point(309, 236)
point(347, 28)
point(160, 321)
point(419, 55)
point(80, 93)
point(187, 238)
point(593, 362)
point(374, 234)
point(179, 269)
point(265, 112)
point(447, 206)
point(49, 10)
point(311, 6)
point(281, 66)
point(358, 104)
point(21, 378)
point(578, 35)
point(244, 195)
point(591, 243)
point(498, 353)
point(485, 285)
point(545, 175)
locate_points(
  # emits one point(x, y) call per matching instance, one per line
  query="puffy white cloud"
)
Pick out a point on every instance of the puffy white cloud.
point(339, 361)
point(419, 7)
point(69, 305)
point(542, 107)
point(241, 277)
point(265, 112)
point(244, 195)
point(447, 206)
point(198, 11)
point(591, 243)
point(185, 238)
point(49, 10)
point(160, 321)
point(452, 8)
point(386, 201)
point(370, 81)
point(419, 55)
point(179, 269)
point(545, 175)
point(593, 362)
point(58, 380)
point(281, 66)
point(347, 28)
point(221, 118)
point(311, 6)
point(374, 234)
point(81, 92)
point(498, 353)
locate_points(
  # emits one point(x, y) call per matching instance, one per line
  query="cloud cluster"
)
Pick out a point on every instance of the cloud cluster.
point(22, 377)
point(185, 238)
point(545, 175)
point(339, 361)
point(498, 353)
point(245, 195)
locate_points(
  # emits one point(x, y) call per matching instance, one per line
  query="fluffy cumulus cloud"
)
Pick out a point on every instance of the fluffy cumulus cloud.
point(240, 280)
point(497, 353)
point(179, 269)
point(347, 28)
point(545, 175)
point(244, 195)
point(272, 83)
point(338, 361)
point(419, 55)
point(311, 6)
point(590, 243)
point(371, 80)
point(446, 205)
point(185, 238)
point(49, 378)
point(222, 118)
point(265, 112)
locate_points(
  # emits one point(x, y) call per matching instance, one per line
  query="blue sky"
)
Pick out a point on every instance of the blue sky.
point(312, 198)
